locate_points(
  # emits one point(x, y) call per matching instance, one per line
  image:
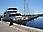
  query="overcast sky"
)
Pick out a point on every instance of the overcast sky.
point(35, 6)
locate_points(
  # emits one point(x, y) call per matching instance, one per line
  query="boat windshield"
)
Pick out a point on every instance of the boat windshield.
point(14, 15)
point(12, 9)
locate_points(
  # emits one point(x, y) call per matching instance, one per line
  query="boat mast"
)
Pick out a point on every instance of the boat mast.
point(24, 7)
point(28, 8)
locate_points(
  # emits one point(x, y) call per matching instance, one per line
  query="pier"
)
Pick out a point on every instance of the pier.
point(4, 27)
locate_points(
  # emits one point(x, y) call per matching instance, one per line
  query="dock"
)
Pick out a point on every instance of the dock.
point(4, 27)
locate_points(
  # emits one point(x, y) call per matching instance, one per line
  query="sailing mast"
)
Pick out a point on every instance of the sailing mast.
point(28, 8)
point(24, 6)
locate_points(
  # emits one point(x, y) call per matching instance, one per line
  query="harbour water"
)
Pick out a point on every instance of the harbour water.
point(37, 23)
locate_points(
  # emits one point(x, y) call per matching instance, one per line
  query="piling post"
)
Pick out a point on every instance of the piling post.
point(11, 22)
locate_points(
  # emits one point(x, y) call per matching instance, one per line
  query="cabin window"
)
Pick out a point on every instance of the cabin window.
point(4, 15)
point(4, 12)
point(18, 14)
point(14, 15)
point(11, 15)
point(12, 9)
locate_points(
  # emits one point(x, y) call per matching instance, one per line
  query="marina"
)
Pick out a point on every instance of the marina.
point(21, 16)
point(11, 14)
point(22, 21)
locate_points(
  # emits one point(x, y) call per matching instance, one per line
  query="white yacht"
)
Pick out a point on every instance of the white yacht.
point(12, 13)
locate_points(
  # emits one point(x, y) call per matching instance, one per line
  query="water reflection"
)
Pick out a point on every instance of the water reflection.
point(38, 23)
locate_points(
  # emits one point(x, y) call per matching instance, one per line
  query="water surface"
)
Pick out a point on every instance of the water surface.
point(37, 23)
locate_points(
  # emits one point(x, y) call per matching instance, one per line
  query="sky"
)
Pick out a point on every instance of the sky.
point(34, 6)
